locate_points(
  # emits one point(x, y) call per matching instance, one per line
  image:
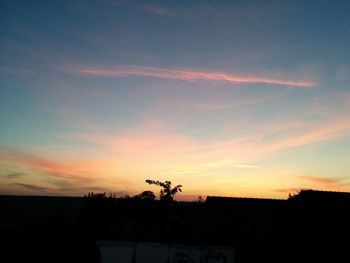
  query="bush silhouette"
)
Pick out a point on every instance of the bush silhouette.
point(146, 195)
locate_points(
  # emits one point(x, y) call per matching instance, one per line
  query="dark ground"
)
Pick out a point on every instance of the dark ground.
point(312, 227)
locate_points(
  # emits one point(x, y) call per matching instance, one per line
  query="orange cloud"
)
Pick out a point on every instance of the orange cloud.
point(332, 184)
point(154, 150)
point(78, 171)
point(34, 188)
point(319, 180)
point(191, 75)
point(12, 155)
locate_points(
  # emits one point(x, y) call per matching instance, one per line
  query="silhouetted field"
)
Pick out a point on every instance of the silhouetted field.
point(310, 227)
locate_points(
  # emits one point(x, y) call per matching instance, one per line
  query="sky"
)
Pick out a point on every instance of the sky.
point(227, 98)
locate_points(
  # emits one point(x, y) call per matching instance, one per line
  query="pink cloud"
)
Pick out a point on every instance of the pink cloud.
point(145, 140)
point(76, 172)
point(158, 143)
point(191, 75)
point(12, 155)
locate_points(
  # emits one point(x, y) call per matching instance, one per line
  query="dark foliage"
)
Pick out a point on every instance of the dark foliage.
point(146, 195)
point(167, 193)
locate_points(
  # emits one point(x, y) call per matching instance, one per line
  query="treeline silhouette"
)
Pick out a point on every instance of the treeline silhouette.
point(311, 226)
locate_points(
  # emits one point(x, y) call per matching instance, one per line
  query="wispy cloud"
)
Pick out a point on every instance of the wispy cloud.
point(74, 177)
point(331, 129)
point(191, 75)
point(320, 180)
point(281, 137)
point(326, 183)
point(34, 187)
point(49, 167)
point(146, 139)
point(160, 144)
point(14, 175)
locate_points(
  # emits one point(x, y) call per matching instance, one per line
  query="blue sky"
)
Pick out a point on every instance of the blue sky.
point(242, 98)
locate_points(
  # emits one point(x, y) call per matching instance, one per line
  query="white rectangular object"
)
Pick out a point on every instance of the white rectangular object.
point(218, 255)
point(151, 253)
point(184, 254)
point(116, 252)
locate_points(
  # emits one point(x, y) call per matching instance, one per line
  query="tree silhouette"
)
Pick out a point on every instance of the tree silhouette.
point(167, 193)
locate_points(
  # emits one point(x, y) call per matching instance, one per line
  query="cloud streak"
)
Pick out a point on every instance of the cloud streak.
point(39, 164)
point(191, 75)
point(333, 184)
point(161, 145)
point(14, 175)
point(73, 177)
point(319, 180)
point(33, 187)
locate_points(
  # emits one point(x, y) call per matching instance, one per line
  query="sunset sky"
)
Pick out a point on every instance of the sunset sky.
point(229, 98)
